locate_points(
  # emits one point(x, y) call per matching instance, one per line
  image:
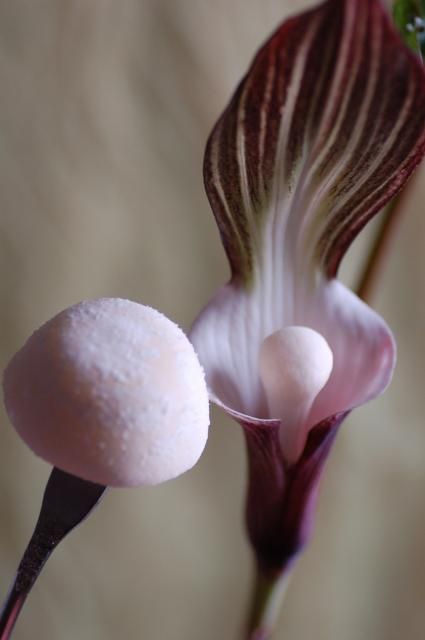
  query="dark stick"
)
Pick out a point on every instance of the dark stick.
point(67, 501)
point(10, 612)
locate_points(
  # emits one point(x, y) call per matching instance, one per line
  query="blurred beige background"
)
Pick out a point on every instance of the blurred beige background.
point(104, 112)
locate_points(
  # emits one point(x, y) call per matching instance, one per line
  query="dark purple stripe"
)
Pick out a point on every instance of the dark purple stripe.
point(398, 72)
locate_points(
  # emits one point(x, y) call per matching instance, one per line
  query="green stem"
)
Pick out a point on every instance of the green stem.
point(267, 599)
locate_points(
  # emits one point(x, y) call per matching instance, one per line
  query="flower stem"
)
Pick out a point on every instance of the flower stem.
point(267, 597)
point(382, 243)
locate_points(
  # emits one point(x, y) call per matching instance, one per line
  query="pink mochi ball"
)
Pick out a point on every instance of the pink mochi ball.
point(110, 391)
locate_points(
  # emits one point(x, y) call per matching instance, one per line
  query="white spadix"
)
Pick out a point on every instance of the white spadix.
point(295, 364)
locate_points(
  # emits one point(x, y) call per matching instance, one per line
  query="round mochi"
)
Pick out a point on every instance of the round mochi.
point(110, 391)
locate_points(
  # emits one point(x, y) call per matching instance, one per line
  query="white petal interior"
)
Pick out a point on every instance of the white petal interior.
point(362, 345)
point(229, 333)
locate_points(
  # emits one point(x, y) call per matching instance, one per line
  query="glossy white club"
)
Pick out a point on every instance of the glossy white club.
point(295, 364)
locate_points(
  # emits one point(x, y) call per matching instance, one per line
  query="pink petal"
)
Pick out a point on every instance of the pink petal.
point(228, 334)
point(362, 344)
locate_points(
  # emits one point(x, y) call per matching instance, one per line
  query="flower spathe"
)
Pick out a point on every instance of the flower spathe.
point(325, 128)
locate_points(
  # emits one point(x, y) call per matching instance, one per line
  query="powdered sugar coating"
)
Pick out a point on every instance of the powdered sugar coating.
point(111, 391)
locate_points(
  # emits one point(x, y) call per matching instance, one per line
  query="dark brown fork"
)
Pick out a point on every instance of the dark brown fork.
point(67, 501)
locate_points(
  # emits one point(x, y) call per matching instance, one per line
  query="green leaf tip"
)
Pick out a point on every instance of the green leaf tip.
point(409, 18)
